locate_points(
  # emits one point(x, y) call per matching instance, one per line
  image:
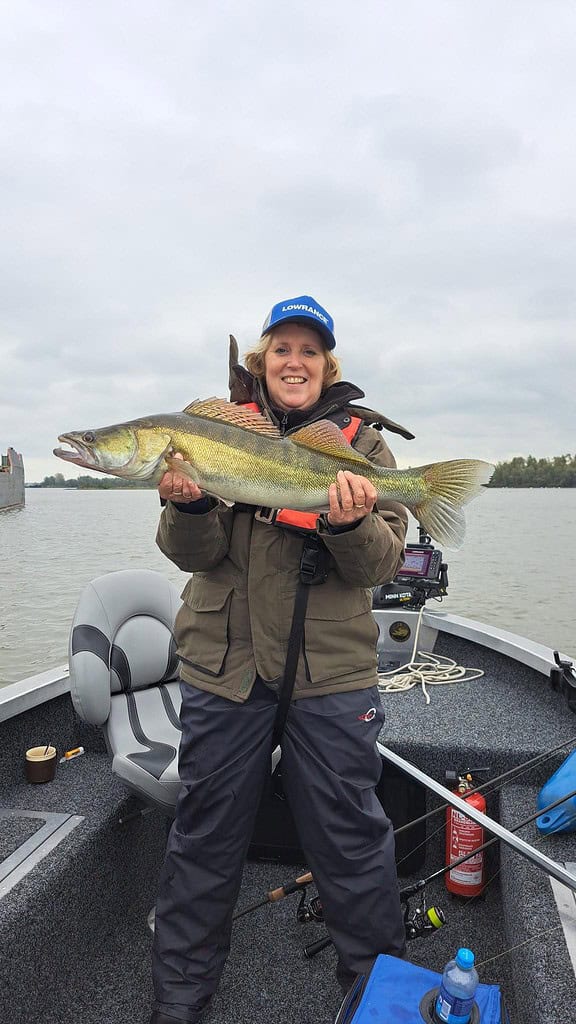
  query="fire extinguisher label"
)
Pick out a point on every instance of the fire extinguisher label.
point(466, 836)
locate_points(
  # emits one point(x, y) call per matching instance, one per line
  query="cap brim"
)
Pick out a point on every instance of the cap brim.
point(305, 321)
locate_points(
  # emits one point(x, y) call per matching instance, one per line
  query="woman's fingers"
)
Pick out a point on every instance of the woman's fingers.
point(176, 487)
point(351, 498)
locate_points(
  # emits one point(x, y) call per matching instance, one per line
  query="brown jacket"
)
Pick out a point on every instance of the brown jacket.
point(237, 610)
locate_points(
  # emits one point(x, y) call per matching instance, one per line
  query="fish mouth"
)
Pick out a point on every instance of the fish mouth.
point(80, 455)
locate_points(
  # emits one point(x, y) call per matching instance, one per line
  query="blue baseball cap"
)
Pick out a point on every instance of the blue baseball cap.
point(302, 310)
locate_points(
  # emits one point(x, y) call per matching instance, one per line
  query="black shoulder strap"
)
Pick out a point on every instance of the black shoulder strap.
point(313, 570)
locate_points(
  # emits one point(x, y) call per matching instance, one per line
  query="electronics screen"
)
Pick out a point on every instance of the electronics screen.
point(416, 563)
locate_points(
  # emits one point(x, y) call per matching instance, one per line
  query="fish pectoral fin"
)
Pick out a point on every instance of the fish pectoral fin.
point(152, 444)
point(183, 468)
point(147, 461)
point(236, 415)
point(324, 436)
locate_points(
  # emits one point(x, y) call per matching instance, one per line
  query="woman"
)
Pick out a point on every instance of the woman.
point(232, 634)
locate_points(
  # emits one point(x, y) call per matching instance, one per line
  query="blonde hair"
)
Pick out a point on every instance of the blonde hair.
point(254, 361)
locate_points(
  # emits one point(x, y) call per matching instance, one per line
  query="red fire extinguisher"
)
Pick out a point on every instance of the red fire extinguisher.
point(463, 836)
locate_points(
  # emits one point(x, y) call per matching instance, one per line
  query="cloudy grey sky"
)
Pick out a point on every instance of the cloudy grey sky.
point(171, 169)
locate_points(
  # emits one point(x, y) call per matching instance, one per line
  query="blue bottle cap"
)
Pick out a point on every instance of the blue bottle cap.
point(465, 959)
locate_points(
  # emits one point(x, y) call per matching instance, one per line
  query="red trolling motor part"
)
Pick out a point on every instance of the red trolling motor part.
point(463, 836)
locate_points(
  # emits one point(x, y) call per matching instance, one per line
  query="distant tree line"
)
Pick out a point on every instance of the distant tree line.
point(559, 471)
point(94, 483)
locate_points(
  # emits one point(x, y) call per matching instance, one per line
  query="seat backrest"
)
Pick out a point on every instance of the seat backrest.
point(124, 674)
point(121, 639)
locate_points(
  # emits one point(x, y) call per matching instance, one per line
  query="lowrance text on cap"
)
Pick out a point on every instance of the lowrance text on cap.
point(302, 310)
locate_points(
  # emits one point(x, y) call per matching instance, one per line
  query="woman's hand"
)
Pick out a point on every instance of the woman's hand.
point(352, 498)
point(174, 487)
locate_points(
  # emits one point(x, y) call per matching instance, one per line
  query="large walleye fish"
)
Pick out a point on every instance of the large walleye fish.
point(236, 454)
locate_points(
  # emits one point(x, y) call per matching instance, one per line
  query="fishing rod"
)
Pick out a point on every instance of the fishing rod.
point(491, 784)
point(427, 920)
point(278, 894)
point(423, 919)
point(274, 895)
point(541, 861)
point(411, 889)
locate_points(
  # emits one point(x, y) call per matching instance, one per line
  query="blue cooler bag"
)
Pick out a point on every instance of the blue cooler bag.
point(398, 992)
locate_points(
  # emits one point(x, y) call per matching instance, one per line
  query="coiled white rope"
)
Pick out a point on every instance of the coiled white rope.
point(436, 670)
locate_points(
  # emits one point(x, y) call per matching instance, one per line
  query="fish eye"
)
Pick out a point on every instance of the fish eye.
point(89, 437)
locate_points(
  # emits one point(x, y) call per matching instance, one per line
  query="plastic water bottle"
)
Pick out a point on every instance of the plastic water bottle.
point(457, 990)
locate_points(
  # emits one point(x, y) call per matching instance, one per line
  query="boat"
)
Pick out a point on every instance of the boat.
point(12, 492)
point(81, 854)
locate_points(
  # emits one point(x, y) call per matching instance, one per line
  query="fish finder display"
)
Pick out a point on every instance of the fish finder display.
point(423, 575)
point(416, 563)
point(421, 563)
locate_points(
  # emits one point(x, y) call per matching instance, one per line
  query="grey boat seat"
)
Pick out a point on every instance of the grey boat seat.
point(124, 677)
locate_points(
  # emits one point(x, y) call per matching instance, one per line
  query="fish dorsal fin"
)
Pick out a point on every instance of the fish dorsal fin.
point(324, 436)
point(236, 415)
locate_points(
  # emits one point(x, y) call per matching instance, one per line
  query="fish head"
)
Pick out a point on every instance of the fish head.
point(134, 451)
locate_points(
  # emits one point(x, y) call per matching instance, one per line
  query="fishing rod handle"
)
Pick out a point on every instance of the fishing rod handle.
point(317, 947)
point(286, 890)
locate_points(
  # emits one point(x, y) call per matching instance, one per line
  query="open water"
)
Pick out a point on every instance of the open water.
point(517, 568)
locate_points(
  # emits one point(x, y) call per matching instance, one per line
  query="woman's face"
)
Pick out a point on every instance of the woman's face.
point(294, 363)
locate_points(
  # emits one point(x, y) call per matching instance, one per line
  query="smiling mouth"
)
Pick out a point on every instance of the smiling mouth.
point(294, 380)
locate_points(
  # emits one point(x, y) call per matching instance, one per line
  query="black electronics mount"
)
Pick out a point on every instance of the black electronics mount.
point(563, 679)
point(424, 575)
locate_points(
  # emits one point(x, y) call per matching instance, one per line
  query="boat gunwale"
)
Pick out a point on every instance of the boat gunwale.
point(31, 692)
point(512, 645)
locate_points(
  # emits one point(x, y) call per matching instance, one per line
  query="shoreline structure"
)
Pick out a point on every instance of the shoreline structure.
point(12, 485)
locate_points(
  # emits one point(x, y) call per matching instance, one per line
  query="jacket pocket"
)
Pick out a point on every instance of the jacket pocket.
point(202, 624)
point(340, 637)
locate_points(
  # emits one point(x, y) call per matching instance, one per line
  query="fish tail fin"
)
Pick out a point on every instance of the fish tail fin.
point(449, 486)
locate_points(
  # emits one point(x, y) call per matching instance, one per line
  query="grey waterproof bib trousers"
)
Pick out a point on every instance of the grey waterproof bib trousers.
point(330, 768)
